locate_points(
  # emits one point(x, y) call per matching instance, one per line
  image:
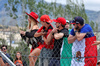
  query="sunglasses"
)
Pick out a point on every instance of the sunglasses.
point(3, 48)
point(98, 63)
point(74, 24)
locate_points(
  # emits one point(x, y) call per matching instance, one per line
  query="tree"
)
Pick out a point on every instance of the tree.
point(92, 24)
point(2, 41)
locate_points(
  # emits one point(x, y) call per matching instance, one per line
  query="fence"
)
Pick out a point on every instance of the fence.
point(71, 53)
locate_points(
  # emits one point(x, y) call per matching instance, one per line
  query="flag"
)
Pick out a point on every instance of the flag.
point(84, 53)
point(66, 53)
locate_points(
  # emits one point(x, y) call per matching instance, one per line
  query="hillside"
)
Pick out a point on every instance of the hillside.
point(92, 15)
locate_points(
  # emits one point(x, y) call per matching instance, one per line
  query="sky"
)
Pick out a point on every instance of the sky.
point(89, 4)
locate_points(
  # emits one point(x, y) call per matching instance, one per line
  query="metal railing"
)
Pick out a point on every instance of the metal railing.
point(6, 58)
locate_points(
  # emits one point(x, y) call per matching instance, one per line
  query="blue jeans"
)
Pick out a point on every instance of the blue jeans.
point(54, 62)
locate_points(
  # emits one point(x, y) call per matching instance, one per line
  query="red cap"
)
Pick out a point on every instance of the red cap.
point(45, 18)
point(60, 20)
point(34, 15)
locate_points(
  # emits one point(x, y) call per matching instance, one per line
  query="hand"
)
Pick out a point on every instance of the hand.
point(55, 30)
point(22, 32)
point(96, 43)
point(76, 29)
point(43, 33)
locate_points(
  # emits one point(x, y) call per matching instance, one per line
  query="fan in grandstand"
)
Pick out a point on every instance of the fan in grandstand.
point(28, 36)
point(66, 50)
point(46, 50)
point(18, 60)
point(82, 37)
point(58, 34)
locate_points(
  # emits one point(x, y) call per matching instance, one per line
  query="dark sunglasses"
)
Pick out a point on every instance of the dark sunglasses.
point(3, 48)
point(74, 24)
point(98, 63)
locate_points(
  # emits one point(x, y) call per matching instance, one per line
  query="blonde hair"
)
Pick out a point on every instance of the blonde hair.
point(30, 25)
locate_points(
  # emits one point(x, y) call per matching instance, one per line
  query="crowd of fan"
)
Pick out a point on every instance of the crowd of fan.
point(56, 45)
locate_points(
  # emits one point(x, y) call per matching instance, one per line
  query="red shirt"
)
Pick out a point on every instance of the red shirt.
point(51, 45)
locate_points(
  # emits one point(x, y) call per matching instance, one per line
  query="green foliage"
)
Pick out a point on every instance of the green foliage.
point(92, 24)
point(96, 27)
point(2, 41)
point(14, 9)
